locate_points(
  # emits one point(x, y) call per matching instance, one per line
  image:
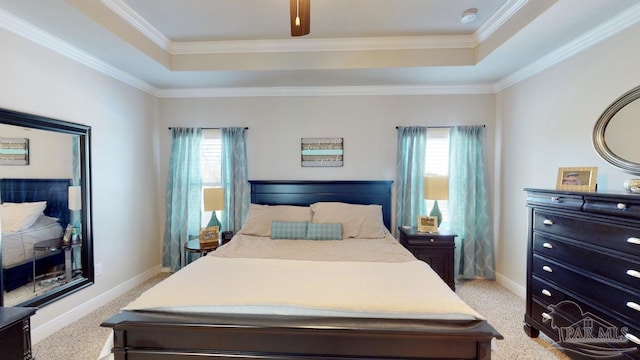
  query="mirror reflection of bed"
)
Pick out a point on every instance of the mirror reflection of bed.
point(35, 213)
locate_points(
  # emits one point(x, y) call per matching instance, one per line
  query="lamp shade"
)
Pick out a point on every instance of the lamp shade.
point(213, 199)
point(75, 198)
point(436, 187)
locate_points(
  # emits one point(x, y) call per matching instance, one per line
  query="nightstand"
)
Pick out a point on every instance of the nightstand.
point(436, 249)
point(15, 333)
point(193, 246)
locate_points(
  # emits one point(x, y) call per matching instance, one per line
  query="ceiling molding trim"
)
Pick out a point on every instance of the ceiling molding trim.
point(585, 41)
point(499, 18)
point(326, 91)
point(30, 32)
point(312, 45)
point(129, 15)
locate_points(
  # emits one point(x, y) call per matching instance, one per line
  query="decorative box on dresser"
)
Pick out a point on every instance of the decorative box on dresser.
point(15, 333)
point(436, 249)
point(583, 270)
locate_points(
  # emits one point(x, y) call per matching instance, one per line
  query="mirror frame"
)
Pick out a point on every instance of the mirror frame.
point(25, 120)
point(599, 142)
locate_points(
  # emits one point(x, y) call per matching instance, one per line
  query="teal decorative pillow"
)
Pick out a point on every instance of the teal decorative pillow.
point(324, 231)
point(288, 229)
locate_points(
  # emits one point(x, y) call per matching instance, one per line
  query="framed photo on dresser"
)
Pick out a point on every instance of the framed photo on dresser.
point(577, 178)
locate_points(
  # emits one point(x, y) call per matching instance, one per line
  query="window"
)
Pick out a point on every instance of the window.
point(210, 165)
point(437, 163)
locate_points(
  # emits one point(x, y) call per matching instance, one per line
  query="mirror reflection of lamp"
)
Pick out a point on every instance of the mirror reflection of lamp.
point(436, 187)
point(75, 204)
point(213, 201)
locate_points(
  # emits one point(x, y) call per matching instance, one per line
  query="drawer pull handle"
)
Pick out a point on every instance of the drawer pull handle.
point(547, 245)
point(621, 206)
point(555, 198)
point(634, 273)
point(633, 306)
point(547, 222)
point(432, 240)
point(546, 292)
point(633, 240)
point(547, 269)
point(632, 338)
point(546, 317)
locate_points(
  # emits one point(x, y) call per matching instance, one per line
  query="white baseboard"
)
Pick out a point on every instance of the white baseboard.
point(511, 285)
point(43, 331)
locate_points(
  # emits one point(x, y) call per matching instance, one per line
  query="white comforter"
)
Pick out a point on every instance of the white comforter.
point(233, 280)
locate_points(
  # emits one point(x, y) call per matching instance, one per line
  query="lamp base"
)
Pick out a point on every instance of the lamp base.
point(435, 211)
point(214, 221)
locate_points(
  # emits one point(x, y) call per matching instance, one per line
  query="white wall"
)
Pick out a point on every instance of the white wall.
point(50, 154)
point(546, 122)
point(367, 124)
point(124, 164)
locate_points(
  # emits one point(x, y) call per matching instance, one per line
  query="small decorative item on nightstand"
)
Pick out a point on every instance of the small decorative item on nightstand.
point(209, 237)
point(428, 224)
point(436, 249)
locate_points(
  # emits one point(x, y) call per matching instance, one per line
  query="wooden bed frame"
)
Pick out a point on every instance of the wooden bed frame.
point(146, 335)
point(55, 193)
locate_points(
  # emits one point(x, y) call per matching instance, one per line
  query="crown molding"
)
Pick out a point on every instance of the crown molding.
point(327, 91)
point(26, 30)
point(123, 10)
point(588, 39)
point(498, 19)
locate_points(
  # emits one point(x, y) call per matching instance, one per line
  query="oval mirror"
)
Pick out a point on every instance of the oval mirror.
point(45, 190)
point(614, 135)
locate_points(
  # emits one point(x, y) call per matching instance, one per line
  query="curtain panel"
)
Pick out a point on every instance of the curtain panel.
point(410, 175)
point(183, 197)
point(234, 178)
point(469, 203)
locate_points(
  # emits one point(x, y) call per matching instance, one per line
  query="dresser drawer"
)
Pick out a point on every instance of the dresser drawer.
point(556, 200)
point(560, 321)
point(623, 270)
point(628, 207)
point(605, 235)
point(615, 299)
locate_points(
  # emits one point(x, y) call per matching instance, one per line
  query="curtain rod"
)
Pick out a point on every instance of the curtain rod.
point(210, 128)
point(444, 127)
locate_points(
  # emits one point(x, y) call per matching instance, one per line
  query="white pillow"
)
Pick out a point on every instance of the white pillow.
point(260, 217)
point(20, 216)
point(358, 221)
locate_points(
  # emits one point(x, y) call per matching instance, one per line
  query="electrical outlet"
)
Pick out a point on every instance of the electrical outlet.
point(98, 269)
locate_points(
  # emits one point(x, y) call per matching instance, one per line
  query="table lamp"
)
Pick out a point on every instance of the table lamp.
point(436, 187)
point(214, 200)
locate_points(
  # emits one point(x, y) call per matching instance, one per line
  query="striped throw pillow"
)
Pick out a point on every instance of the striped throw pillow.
point(324, 231)
point(288, 229)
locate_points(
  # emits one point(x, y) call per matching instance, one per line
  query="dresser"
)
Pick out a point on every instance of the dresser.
point(583, 270)
point(436, 249)
point(15, 333)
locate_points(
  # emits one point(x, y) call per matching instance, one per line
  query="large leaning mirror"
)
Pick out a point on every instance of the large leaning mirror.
point(615, 132)
point(45, 190)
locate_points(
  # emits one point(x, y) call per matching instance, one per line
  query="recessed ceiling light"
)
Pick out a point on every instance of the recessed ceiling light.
point(469, 15)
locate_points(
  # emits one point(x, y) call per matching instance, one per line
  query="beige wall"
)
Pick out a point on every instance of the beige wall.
point(546, 122)
point(367, 124)
point(124, 164)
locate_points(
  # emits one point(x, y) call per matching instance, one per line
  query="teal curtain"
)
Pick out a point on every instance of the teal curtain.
point(234, 178)
point(469, 203)
point(410, 175)
point(184, 194)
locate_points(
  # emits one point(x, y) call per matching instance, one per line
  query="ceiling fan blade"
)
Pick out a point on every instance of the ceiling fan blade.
point(301, 9)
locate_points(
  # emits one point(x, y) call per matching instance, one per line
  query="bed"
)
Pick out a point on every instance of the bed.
point(17, 243)
point(369, 318)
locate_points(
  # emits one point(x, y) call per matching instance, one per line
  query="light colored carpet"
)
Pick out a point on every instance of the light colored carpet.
point(84, 339)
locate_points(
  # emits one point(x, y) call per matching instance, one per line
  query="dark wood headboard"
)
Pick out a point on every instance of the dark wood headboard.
point(304, 193)
point(54, 191)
